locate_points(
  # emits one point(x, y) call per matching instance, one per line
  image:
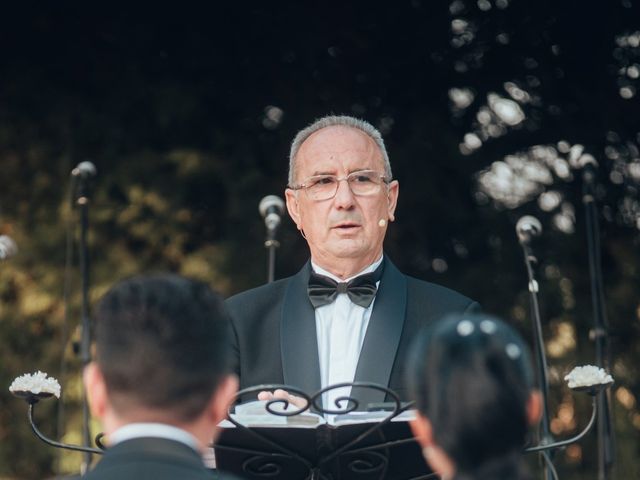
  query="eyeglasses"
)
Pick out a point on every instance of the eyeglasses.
point(324, 187)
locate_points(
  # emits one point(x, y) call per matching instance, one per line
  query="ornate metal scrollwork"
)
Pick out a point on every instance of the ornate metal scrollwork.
point(32, 400)
point(258, 465)
point(369, 462)
point(563, 443)
point(370, 459)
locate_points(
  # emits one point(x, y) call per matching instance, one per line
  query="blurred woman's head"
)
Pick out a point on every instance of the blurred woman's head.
point(471, 378)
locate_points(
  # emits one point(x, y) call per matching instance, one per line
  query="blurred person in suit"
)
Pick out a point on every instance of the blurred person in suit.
point(472, 381)
point(161, 380)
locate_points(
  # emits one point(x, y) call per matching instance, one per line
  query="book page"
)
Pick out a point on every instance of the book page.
point(255, 414)
point(369, 417)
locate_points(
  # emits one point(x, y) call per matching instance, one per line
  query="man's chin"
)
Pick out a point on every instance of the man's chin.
point(349, 249)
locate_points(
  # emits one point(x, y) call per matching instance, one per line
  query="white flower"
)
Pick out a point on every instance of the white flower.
point(587, 376)
point(36, 383)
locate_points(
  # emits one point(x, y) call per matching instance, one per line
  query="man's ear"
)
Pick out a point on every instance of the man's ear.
point(534, 407)
point(392, 197)
point(422, 431)
point(96, 389)
point(223, 397)
point(291, 199)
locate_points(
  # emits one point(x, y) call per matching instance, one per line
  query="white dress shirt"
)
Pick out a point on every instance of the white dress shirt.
point(156, 430)
point(340, 329)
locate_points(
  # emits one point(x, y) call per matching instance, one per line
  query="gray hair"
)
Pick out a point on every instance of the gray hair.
point(338, 120)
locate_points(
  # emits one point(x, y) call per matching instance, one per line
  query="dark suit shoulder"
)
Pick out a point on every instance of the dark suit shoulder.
point(437, 298)
point(156, 458)
point(257, 303)
point(263, 293)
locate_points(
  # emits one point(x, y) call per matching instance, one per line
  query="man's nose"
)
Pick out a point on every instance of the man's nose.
point(344, 196)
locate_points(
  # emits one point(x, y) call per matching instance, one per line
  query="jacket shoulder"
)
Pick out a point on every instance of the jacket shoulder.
point(257, 298)
point(421, 292)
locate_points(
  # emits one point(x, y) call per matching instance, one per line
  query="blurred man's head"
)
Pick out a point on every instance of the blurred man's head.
point(341, 194)
point(161, 354)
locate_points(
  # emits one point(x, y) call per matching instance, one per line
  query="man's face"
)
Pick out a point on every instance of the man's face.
point(344, 230)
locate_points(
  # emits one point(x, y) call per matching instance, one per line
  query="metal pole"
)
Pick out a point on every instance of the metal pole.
point(599, 333)
point(271, 244)
point(541, 360)
point(85, 342)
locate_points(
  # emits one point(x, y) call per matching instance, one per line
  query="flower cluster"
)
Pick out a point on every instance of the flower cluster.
point(587, 376)
point(36, 383)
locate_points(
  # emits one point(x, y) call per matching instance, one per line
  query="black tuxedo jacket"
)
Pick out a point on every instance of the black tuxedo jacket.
point(274, 331)
point(152, 459)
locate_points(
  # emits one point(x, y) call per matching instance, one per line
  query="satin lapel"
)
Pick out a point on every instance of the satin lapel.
point(300, 364)
point(383, 335)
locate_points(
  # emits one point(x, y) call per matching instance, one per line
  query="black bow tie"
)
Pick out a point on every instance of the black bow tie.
point(361, 290)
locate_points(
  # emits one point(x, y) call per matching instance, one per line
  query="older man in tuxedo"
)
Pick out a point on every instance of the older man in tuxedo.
point(349, 313)
point(161, 381)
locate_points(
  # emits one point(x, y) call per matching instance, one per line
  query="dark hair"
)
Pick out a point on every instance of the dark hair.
point(471, 376)
point(161, 342)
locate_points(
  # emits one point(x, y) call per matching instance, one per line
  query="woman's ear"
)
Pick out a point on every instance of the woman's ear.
point(534, 407)
point(421, 428)
point(433, 454)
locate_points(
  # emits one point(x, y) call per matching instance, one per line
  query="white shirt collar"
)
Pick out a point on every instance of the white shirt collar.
point(326, 273)
point(156, 430)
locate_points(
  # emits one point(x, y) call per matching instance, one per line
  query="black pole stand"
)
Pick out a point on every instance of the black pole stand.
point(599, 333)
point(271, 244)
point(82, 201)
point(546, 437)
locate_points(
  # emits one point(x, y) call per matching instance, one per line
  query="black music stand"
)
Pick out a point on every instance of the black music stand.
point(377, 448)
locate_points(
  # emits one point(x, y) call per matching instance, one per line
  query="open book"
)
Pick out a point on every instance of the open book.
point(255, 414)
point(357, 445)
